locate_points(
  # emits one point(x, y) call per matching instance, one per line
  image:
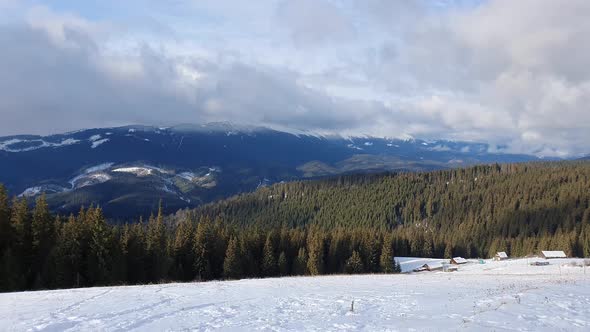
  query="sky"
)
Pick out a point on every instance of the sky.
point(514, 74)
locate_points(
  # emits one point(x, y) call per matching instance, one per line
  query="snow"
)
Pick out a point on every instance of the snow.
point(139, 171)
point(90, 176)
point(507, 295)
point(95, 144)
point(189, 176)
point(98, 168)
point(5, 145)
point(31, 192)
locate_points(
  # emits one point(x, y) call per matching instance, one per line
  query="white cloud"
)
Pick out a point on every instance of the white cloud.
point(513, 73)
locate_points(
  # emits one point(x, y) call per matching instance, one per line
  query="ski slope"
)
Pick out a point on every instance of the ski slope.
point(508, 295)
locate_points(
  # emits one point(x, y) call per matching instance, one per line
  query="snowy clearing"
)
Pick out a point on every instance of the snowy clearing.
point(505, 295)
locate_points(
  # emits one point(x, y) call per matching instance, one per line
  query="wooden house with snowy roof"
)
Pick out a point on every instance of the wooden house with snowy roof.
point(500, 256)
point(458, 260)
point(553, 254)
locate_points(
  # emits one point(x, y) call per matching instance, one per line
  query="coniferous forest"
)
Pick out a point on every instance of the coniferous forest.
point(348, 224)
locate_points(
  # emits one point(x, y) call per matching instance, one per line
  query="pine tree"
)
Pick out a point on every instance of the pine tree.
point(232, 268)
point(43, 235)
point(183, 251)
point(6, 232)
point(283, 265)
point(300, 262)
point(202, 250)
point(386, 260)
point(448, 250)
point(427, 250)
point(354, 264)
point(22, 248)
point(315, 260)
point(156, 245)
point(98, 260)
point(269, 262)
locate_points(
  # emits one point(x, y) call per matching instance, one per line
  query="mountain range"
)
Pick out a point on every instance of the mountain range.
point(127, 170)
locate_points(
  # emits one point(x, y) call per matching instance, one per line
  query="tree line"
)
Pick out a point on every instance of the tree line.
point(43, 251)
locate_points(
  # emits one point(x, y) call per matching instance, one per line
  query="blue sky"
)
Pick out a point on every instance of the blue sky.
point(515, 74)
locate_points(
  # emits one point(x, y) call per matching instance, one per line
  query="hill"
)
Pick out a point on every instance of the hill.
point(474, 210)
point(127, 170)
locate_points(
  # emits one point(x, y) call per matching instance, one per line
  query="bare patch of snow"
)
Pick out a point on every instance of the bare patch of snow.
point(139, 171)
point(6, 145)
point(95, 144)
point(98, 168)
point(31, 192)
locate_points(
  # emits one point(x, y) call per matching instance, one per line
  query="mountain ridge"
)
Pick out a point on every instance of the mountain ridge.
point(246, 157)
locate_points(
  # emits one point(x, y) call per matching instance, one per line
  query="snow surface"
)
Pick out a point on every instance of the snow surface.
point(139, 171)
point(6, 145)
point(92, 175)
point(31, 192)
point(97, 143)
point(507, 295)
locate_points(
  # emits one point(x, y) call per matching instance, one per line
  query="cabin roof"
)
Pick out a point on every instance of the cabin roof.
point(554, 254)
point(459, 260)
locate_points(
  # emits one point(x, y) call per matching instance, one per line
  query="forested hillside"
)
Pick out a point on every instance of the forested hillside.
point(472, 212)
point(349, 224)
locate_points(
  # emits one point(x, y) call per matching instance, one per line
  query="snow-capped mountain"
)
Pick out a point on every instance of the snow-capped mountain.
point(128, 169)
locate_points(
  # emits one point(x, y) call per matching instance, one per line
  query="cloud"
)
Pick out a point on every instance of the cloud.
point(515, 74)
point(315, 22)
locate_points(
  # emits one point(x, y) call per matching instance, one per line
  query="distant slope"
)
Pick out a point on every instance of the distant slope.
point(244, 158)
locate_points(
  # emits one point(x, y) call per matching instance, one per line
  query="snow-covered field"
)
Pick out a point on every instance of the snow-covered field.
point(508, 295)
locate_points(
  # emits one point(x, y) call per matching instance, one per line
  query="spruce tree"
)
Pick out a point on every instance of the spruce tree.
point(283, 265)
point(156, 245)
point(354, 264)
point(43, 234)
point(22, 248)
point(98, 260)
point(202, 250)
point(386, 260)
point(6, 232)
point(269, 262)
point(300, 262)
point(315, 260)
point(183, 251)
point(232, 268)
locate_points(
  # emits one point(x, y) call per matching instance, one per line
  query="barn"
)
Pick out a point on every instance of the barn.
point(458, 260)
point(553, 254)
point(500, 256)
